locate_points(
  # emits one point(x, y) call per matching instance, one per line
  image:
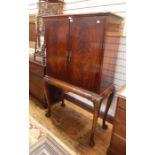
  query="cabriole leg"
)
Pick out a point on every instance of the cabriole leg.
point(97, 105)
point(104, 126)
point(47, 96)
point(62, 96)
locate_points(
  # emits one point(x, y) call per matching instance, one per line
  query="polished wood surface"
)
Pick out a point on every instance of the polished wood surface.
point(75, 48)
point(118, 139)
point(95, 98)
point(122, 103)
point(56, 34)
point(118, 146)
point(75, 58)
point(36, 88)
point(120, 128)
point(36, 85)
point(86, 38)
point(37, 68)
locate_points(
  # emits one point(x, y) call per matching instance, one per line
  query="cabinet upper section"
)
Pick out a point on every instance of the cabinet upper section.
point(75, 46)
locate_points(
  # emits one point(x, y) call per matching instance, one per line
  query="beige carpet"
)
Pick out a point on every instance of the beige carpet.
point(43, 142)
point(36, 131)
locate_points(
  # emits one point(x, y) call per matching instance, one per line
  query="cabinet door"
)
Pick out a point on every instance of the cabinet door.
point(56, 34)
point(86, 41)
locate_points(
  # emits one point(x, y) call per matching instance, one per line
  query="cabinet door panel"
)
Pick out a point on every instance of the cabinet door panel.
point(57, 33)
point(86, 41)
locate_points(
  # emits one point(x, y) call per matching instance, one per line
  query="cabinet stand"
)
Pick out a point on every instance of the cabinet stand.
point(95, 98)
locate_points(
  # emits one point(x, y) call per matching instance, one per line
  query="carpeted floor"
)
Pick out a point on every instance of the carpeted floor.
point(36, 131)
point(43, 142)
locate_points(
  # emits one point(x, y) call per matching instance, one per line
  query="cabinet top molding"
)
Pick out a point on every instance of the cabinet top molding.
point(88, 14)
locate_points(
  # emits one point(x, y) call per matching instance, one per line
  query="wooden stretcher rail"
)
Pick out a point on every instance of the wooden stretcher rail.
point(69, 87)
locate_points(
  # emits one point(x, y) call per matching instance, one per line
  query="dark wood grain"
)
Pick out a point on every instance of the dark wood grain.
point(36, 84)
point(118, 146)
point(118, 139)
point(37, 69)
point(57, 33)
point(86, 38)
point(120, 123)
point(36, 87)
point(75, 46)
point(122, 103)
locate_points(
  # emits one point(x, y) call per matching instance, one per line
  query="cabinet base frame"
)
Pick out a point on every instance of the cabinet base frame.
point(97, 100)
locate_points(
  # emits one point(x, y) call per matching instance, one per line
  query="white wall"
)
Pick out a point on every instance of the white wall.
point(33, 6)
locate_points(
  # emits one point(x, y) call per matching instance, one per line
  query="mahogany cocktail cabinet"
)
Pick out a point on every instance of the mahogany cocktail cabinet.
point(77, 57)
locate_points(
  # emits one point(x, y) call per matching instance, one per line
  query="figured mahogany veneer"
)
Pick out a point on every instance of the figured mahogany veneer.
point(75, 48)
